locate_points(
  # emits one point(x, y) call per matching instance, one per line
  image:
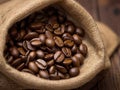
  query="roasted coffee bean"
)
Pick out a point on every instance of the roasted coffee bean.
point(36, 25)
point(75, 61)
point(52, 70)
point(14, 52)
point(24, 44)
point(50, 42)
point(10, 60)
point(22, 33)
point(61, 69)
point(62, 76)
point(36, 43)
point(77, 39)
point(83, 49)
point(32, 55)
point(31, 35)
point(21, 66)
point(21, 51)
point(80, 32)
point(44, 74)
point(40, 54)
point(66, 51)
point(68, 43)
point(41, 64)
point(59, 56)
point(16, 62)
point(60, 30)
point(54, 77)
point(32, 66)
point(67, 61)
point(49, 27)
point(58, 41)
point(67, 36)
point(48, 56)
point(74, 71)
point(20, 44)
point(74, 49)
point(50, 63)
point(70, 29)
point(29, 46)
point(80, 57)
point(48, 34)
point(42, 38)
point(28, 71)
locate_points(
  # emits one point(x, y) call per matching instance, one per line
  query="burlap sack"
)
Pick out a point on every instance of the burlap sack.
point(15, 10)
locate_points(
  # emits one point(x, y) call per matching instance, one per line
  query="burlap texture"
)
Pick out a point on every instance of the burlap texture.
point(15, 10)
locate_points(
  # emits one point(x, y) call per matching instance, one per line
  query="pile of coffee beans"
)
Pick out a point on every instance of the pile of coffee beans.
point(46, 44)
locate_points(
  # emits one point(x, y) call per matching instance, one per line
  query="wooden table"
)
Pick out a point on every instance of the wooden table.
point(108, 12)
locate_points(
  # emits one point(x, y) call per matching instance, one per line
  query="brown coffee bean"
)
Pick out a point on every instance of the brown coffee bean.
point(41, 64)
point(24, 44)
point(42, 38)
point(70, 29)
point(74, 49)
point(61, 69)
point(14, 52)
point(66, 51)
point(21, 51)
point(50, 42)
point(67, 36)
point(40, 54)
point(20, 44)
point(36, 25)
point(62, 76)
point(32, 55)
point(52, 70)
point(68, 43)
point(49, 56)
point(22, 33)
point(31, 35)
point(44, 74)
point(80, 32)
point(48, 34)
point(28, 71)
point(80, 57)
point(74, 71)
point(49, 27)
point(59, 56)
point(32, 66)
point(83, 49)
point(60, 30)
point(29, 46)
point(58, 41)
point(77, 39)
point(16, 62)
point(67, 76)
point(50, 63)
point(10, 60)
point(42, 30)
point(21, 66)
point(36, 43)
point(67, 61)
point(54, 77)
point(75, 61)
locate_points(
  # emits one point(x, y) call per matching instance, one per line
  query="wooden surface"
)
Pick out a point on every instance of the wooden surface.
point(108, 12)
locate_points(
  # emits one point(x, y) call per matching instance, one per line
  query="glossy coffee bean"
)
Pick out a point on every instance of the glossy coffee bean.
point(74, 49)
point(75, 61)
point(41, 64)
point(10, 60)
point(83, 49)
point(16, 62)
point(61, 69)
point(68, 43)
point(28, 71)
point(77, 39)
point(36, 25)
point(62, 76)
point(21, 66)
point(52, 70)
point(58, 41)
point(28, 46)
point(74, 71)
point(21, 51)
point(42, 38)
point(66, 51)
point(33, 67)
point(59, 56)
point(44, 74)
point(80, 32)
point(32, 55)
point(60, 30)
point(54, 77)
point(67, 61)
point(49, 27)
point(40, 54)
point(36, 43)
point(14, 52)
point(48, 34)
point(48, 56)
point(50, 42)
point(31, 35)
point(50, 63)
point(67, 36)
point(80, 57)
point(70, 29)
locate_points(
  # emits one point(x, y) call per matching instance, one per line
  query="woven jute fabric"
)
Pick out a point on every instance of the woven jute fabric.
point(15, 10)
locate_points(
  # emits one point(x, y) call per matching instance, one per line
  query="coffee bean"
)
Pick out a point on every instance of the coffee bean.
point(21, 66)
point(83, 49)
point(14, 52)
point(66, 51)
point(70, 29)
point(61, 69)
point(48, 56)
point(77, 39)
point(36, 43)
point(16, 62)
point(44, 74)
point(68, 43)
point(20, 44)
point(62, 76)
point(24, 44)
point(22, 33)
point(42, 38)
point(40, 54)
point(32, 66)
point(41, 64)
point(58, 41)
point(48, 34)
point(75, 61)
point(21, 51)
point(32, 55)
point(80, 57)
point(52, 70)
point(36, 25)
point(28, 71)
point(60, 30)
point(49, 27)
point(31, 35)
point(80, 32)
point(74, 49)
point(29, 46)
point(59, 56)
point(67, 61)
point(54, 77)
point(50, 63)
point(74, 71)
point(50, 42)
point(67, 36)
point(10, 60)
